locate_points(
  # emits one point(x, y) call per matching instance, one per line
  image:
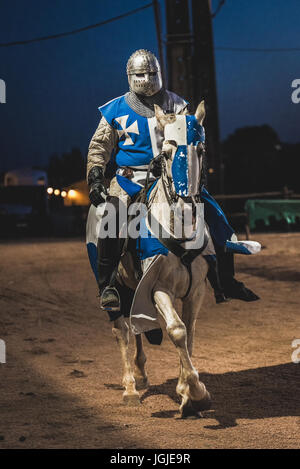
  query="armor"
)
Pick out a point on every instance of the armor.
point(128, 130)
point(144, 105)
point(144, 74)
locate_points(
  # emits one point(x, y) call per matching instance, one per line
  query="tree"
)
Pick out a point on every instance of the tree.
point(253, 160)
point(66, 169)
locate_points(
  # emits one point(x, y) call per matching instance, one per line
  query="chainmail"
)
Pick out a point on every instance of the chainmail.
point(144, 105)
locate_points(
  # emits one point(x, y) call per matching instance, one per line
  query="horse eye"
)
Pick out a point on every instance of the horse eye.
point(172, 142)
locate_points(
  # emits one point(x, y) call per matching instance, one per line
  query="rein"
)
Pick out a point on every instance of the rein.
point(186, 256)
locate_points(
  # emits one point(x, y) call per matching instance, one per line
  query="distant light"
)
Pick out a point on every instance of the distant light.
point(211, 170)
point(72, 194)
point(63, 194)
point(41, 181)
point(56, 192)
point(50, 190)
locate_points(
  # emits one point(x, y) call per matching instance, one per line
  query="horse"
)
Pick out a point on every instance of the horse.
point(177, 278)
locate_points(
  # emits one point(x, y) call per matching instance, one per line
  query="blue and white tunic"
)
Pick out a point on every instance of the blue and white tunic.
point(139, 140)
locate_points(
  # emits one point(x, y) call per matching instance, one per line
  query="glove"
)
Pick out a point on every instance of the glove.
point(96, 194)
point(97, 186)
point(156, 166)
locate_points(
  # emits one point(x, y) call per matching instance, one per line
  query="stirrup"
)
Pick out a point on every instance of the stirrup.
point(110, 299)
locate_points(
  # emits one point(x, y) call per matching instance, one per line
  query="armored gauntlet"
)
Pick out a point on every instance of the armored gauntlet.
point(156, 166)
point(97, 187)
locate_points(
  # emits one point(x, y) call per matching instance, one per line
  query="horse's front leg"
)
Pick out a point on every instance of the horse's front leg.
point(194, 395)
point(121, 332)
point(191, 307)
point(140, 375)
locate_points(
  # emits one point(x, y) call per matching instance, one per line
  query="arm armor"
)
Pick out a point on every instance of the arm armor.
point(101, 146)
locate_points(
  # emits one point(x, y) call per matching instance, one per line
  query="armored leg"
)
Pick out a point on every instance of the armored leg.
point(213, 278)
point(109, 251)
point(221, 231)
point(231, 287)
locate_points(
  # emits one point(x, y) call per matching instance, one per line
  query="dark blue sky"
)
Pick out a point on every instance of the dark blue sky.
point(54, 87)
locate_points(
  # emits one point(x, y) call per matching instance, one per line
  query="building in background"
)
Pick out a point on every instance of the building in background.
point(26, 177)
point(24, 204)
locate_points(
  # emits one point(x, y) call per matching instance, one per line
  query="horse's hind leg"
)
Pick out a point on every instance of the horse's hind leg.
point(140, 375)
point(121, 332)
point(189, 387)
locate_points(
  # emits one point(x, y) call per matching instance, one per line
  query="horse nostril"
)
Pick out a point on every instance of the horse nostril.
point(187, 200)
point(200, 148)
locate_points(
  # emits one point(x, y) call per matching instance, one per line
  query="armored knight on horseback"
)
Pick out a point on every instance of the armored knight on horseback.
point(128, 131)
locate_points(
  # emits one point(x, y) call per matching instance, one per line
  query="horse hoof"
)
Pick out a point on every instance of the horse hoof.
point(193, 409)
point(141, 383)
point(188, 412)
point(203, 404)
point(131, 400)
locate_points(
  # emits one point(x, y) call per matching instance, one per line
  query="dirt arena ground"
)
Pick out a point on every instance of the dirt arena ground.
point(60, 386)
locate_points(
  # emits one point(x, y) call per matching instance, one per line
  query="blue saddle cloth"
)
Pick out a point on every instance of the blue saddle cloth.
point(147, 245)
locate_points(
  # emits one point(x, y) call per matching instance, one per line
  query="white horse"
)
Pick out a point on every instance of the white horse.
point(174, 280)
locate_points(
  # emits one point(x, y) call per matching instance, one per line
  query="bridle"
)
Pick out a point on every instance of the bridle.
point(171, 196)
point(167, 183)
point(186, 256)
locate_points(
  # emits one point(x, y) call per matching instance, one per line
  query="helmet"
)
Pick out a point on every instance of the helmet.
point(144, 74)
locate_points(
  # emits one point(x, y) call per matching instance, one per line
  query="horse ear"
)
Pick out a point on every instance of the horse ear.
point(200, 112)
point(160, 116)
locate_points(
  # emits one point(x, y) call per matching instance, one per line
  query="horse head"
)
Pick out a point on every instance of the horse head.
point(183, 147)
point(182, 151)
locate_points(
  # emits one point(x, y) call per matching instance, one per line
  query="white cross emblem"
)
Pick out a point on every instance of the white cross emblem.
point(133, 128)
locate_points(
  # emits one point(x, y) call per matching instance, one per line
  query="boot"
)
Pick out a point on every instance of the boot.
point(231, 287)
point(110, 301)
point(109, 252)
point(214, 280)
point(108, 259)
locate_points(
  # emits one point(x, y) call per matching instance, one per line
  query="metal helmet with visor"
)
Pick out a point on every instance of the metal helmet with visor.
point(144, 74)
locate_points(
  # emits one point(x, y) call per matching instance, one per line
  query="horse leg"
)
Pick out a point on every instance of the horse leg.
point(140, 375)
point(121, 332)
point(193, 393)
point(189, 320)
point(190, 310)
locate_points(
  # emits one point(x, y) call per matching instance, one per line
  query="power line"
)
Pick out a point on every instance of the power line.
point(221, 3)
point(136, 10)
point(75, 31)
point(257, 49)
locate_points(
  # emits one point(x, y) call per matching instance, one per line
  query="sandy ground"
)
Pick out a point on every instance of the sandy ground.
point(61, 386)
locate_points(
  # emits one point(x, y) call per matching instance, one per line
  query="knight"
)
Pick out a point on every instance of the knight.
point(128, 135)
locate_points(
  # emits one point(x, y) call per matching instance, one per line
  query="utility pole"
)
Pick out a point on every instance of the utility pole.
point(205, 87)
point(179, 48)
point(191, 71)
point(157, 17)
